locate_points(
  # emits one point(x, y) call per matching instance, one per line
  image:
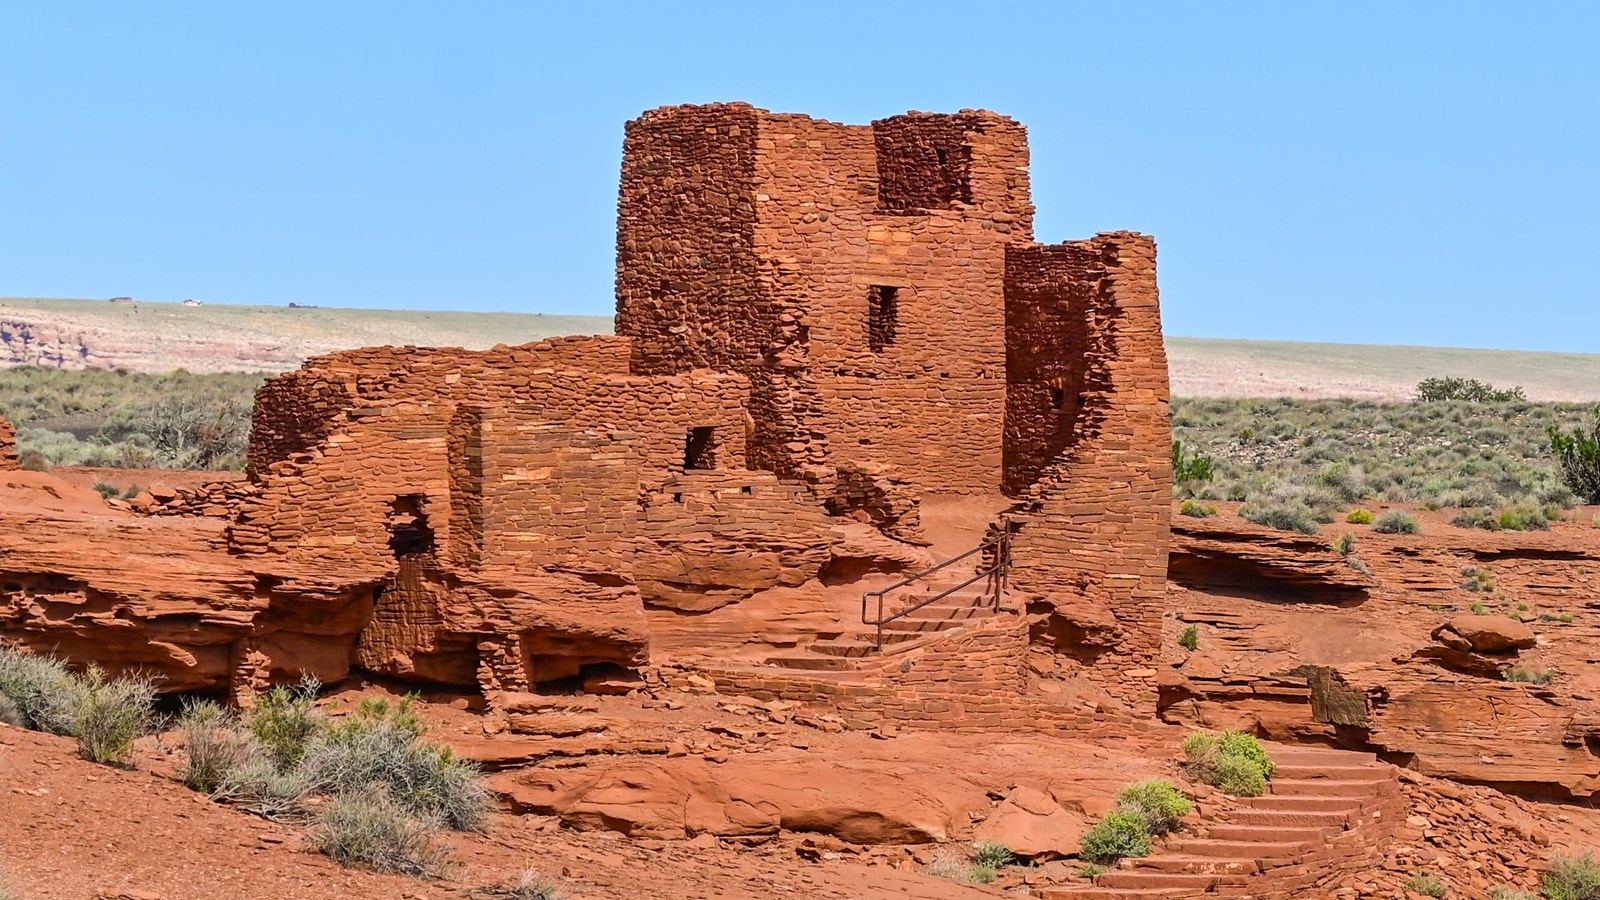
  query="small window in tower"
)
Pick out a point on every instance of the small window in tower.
point(700, 448)
point(883, 316)
point(944, 155)
point(1058, 398)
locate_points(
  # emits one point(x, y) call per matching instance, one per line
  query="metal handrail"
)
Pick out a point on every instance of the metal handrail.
point(995, 572)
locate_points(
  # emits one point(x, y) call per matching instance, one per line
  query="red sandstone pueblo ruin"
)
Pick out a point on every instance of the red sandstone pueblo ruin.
point(853, 545)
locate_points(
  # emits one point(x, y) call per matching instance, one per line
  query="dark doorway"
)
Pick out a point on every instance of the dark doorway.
point(409, 532)
point(700, 448)
point(883, 316)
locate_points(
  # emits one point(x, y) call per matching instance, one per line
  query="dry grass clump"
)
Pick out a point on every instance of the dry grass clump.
point(370, 830)
point(105, 714)
point(378, 790)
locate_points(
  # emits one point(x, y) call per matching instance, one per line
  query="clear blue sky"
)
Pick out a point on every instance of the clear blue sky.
point(1419, 173)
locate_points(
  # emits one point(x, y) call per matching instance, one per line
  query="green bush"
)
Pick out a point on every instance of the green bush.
point(1233, 762)
point(1397, 522)
point(1188, 467)
point(285, 720)
point(1359, 517)
point(1427, 885)
point(215, 744)
point(1190, 639)
point(1119, 835)
point(1196, 510)
point(960, 867)
point(1529, 676)
point(1282, 516)
point(1572, 878)
point(1159, 804)
point(1345, 545)
point(372, 831)
point(381, 745)
point(113, 714)
point(1577, 454)
point(1524, 518)
point(45, 695)
point(1088, 871)
point(1471, 390)
point(1477, 518)
point(992, 855)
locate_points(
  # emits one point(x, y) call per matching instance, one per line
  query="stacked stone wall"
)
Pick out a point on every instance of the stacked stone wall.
point(1093, 531)
point(8, 445)
point(296, 411)
point(827, 234)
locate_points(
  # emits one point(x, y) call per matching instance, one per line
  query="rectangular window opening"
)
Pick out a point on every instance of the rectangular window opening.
point(1058, 398)
point(883, 316)
point(700, 448)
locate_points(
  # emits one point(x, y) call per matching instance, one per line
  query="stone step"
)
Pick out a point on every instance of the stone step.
point(951, 613)
point(1270, 834)
point(1250, 850)
point(1272, 818)
point(854, 649)
point(1094, 892)
point(1200, 865)
point(918, 626)
point(1304, 803)
point(1322, 787)
point(1370, 774)
point(1285, 755)
point(1120, 878)
point(812, 662)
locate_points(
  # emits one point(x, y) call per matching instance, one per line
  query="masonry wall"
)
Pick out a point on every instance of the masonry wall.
point(1093, 531)
point(1049, 298)
point(298, 410)
point(334, 502)
point(8, 445)
point(920, 206)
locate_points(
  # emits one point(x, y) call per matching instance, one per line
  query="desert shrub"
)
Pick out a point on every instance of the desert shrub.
point(959, 866)
point(381, 744)
point(992, 854)
point(1427, 885)
point(1190, 639)
point(258, 786)
point(370, 830)
point(1577, 454)
point(9, 713)
point(1397, 522)
point(1359, 517)
point(1477, 518)
point(5, 890)
point(1158, 803)
point(1501, 892)
point(106, 490)
point(1530, 676)
point(285, 720)
point(1119, 835)
point(528, 885)
point(215, 744)
point(1282, 516)
point(114, 712)
point(32, 461)
point(1189, 467)
point(45, 695)
point(1233, 762)
point(1088, 871)
point(1197, 510)
point(1345, 544)
point(1471, 390)
point(1524, 518)
point(1572, 878)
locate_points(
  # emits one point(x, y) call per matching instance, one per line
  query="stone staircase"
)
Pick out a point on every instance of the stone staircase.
point(1325, 814)
point(852, 650)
